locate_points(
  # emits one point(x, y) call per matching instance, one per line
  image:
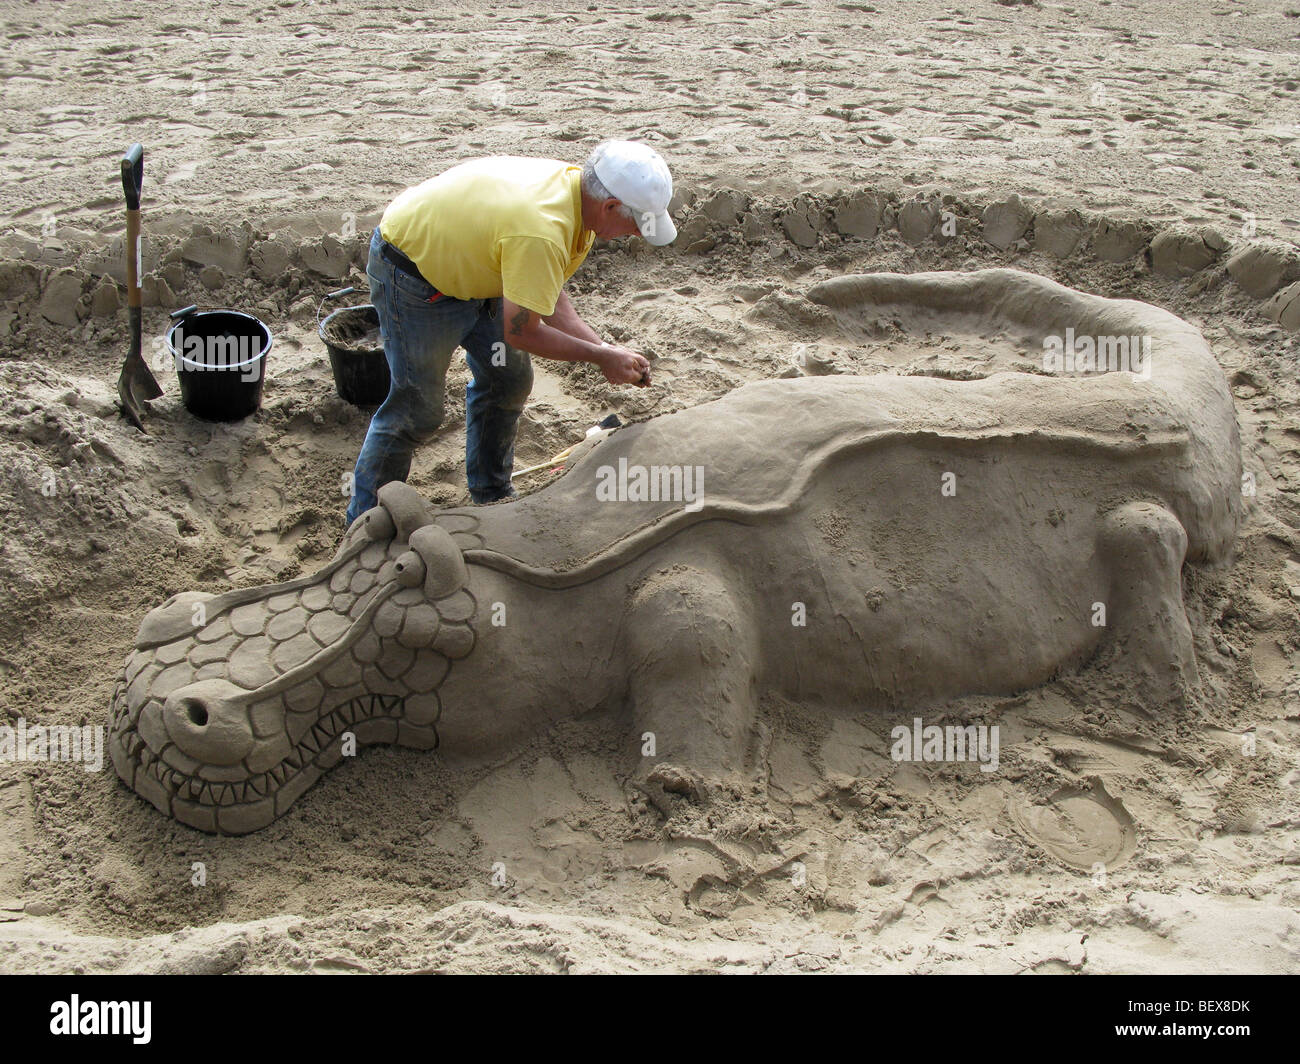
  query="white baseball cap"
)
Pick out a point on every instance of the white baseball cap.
point(637, 176)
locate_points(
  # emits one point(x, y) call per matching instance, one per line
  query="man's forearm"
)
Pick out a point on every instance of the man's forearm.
point(525, 330)
point(566, 319)
point(546, 341)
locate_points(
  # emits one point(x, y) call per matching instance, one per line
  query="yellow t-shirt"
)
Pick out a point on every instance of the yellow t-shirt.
point(498, 226)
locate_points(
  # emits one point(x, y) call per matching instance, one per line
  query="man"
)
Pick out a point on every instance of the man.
point(478, 257)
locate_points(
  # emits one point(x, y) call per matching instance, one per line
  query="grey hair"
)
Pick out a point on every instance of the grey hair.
point(594, 187)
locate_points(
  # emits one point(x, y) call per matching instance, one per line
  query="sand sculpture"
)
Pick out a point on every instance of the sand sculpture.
point(881, 542)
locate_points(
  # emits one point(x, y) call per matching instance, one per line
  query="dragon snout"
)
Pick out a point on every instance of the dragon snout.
point(232, 705)
point(210, 722)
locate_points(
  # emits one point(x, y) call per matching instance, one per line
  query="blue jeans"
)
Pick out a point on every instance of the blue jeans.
point(419, 338)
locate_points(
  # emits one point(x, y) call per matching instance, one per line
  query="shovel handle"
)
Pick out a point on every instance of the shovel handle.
point(133, 175)
point(132, 182)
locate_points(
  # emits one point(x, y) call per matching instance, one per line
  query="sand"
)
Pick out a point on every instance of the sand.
point(845, 133)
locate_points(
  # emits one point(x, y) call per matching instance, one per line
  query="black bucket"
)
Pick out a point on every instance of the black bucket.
point(220, 358)
point(351, 336)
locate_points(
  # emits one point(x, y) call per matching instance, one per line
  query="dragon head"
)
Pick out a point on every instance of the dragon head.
point(230, 706)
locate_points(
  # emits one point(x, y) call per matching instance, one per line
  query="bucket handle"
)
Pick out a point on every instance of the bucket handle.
point(337, 294)
point(184, 312)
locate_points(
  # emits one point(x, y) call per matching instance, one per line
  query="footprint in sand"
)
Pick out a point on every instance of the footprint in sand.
point(1081, 828)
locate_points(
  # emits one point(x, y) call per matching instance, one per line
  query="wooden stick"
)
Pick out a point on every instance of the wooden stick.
point(544, 465)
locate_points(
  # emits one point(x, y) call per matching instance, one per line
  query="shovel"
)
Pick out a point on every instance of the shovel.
point(136, 384)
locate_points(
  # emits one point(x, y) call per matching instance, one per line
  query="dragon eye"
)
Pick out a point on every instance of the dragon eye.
point(443, 560)
point(377, 523)
point(409, 569)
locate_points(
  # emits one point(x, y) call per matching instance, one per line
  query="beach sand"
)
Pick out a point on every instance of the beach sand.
point(1129, 149)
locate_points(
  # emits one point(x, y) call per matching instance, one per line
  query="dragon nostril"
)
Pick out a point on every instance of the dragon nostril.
point(409, 569)
point(209, 721)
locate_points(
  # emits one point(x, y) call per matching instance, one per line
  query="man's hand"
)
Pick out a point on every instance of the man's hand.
point(527, 331)
point(622, 366)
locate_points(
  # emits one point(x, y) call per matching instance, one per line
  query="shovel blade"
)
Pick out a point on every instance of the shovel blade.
point(135, 386)
point(142, 381)
point(131, 408)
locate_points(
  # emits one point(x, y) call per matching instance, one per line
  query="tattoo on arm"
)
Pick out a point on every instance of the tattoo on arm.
point(518, 322)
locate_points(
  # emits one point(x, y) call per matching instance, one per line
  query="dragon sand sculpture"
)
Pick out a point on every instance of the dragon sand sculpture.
point(881, 542)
